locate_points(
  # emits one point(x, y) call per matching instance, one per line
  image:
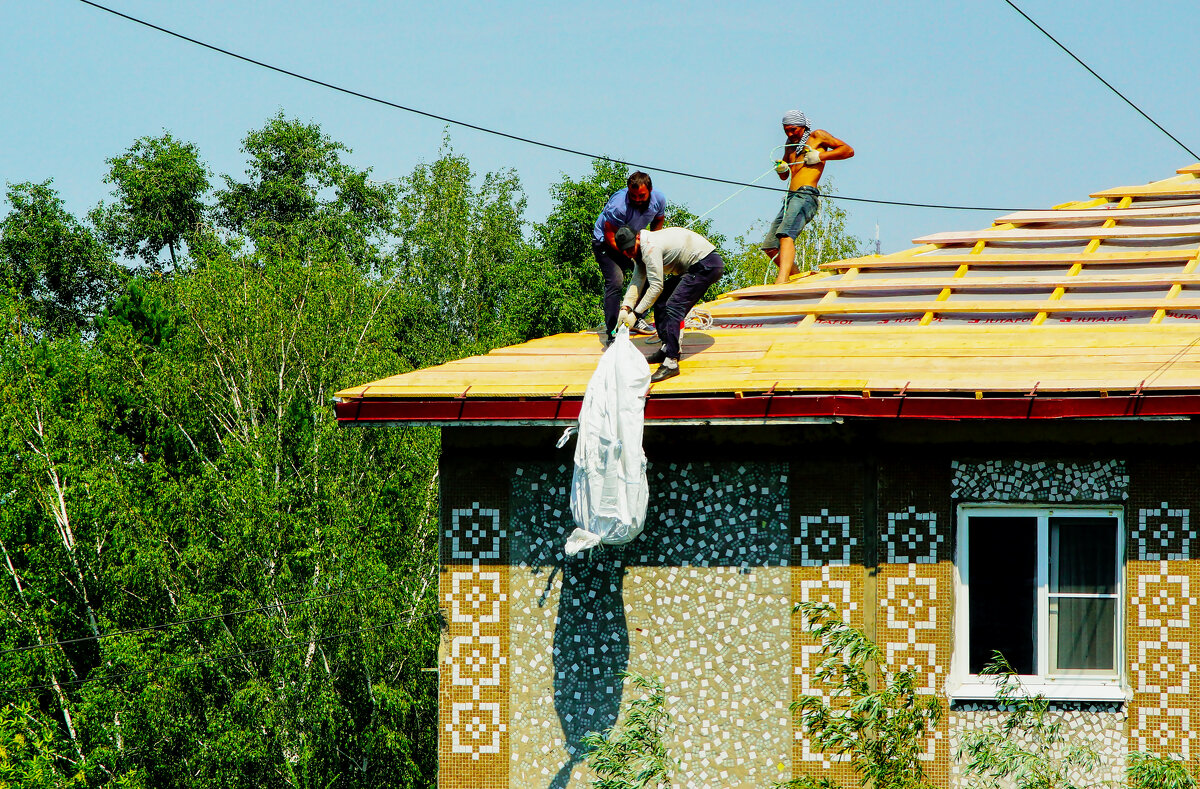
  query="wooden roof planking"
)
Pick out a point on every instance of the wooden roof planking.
point(1094, 298)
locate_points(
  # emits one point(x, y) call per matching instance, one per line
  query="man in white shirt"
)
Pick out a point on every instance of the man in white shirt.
point(673, 267)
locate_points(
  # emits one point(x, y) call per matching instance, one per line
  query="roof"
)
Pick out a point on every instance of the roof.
point(1091, 308)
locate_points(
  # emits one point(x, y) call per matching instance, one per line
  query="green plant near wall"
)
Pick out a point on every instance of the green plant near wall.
point(1152, 771)
point(876, 715)
point(1029, 748)
point(633, 754)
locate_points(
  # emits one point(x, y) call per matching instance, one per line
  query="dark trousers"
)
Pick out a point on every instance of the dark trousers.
point(614, 266)
point(679, 295)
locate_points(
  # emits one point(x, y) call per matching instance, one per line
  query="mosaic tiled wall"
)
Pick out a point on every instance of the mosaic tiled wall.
point(915, 584)
point(1162, 586)
point(536, 644)
point(475, 668)
point(702, 600)
point(828, 544)
point(1102, 726)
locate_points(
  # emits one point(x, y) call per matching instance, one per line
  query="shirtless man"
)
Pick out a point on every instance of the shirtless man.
point(803, 163)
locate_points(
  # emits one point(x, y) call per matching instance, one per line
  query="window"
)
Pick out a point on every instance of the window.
point(1042, 587)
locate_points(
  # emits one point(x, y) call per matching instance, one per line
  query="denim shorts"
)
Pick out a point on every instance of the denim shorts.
point(798, 208)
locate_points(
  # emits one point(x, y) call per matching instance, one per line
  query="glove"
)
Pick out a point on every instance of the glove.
point(812, 156)
point(781, 166)
point(627, 318)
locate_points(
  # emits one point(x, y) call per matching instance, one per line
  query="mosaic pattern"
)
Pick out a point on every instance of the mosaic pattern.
point(911, 606)
point(1016, 480)
point(475, 599)
point(1163, 532)
point(914, 584)
point(1161, 661)
point(701, 599)
point(833, 587)
point(475, 533)
point(473, 704)
point(1102, 726)
point(824, 539)
point(912, 536)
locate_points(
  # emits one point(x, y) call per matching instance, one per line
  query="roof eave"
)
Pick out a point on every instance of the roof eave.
point(773, 408)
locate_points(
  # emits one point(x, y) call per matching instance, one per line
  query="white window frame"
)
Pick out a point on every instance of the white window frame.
point(962, 685)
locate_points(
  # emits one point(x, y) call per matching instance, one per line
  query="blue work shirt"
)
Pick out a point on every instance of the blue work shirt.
point(619, 212)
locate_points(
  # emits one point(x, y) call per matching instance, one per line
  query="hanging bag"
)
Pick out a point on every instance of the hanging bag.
point(609, 491)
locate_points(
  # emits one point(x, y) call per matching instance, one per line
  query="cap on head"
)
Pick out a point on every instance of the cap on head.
point(795, 118)
point(625, 238)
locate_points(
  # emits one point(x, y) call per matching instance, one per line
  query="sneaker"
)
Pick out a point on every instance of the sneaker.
point(657, 357)
point(663, 373)
point(641, 327)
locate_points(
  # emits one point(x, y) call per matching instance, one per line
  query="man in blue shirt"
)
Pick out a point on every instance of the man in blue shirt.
point(638, 206)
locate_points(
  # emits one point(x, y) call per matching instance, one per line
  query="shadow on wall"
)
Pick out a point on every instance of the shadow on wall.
point(591, 652)
point(701, 515)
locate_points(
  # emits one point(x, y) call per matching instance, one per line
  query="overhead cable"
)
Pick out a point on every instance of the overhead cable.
point(515, 137)
point(225, 658)
point(1102, 79)
point(181, 622)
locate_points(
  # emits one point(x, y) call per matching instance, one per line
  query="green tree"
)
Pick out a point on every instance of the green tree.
point(460, 251)
point(159, 186)
point(877, 716)
point(48, 259)
point(301, 196)
point(633, 754)
point(1152, 771)
point(1031, 747)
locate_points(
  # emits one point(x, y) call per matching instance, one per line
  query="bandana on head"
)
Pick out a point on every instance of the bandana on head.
point(797, 118)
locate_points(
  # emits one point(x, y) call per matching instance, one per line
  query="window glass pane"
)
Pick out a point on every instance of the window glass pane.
point(1002, 570)
point(1083, 555)
point(1082, 634)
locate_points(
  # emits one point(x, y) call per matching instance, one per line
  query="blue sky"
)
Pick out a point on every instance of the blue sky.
point(962, 103)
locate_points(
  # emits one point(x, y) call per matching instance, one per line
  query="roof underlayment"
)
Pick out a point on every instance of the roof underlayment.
point(1089, 309)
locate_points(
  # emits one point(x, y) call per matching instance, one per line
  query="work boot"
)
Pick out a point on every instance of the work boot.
point(642, 328)
point(657, 357)
point(664, 372)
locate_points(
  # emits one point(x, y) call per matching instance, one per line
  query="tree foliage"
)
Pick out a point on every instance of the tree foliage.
point(159, 186)
point(633, 754)
point(204, 582)
point(877, 716)
point(1031, 747)
point(59, 269)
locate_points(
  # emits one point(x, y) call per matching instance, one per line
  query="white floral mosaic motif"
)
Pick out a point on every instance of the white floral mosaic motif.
point(1164, 669)
point(836, 594)
point(475, 533)
point(475, 728)
point(825, 539)
point(475, 661)
point(1018, 480)
point(912, 536)
point(475, 596)
point(1160, 529)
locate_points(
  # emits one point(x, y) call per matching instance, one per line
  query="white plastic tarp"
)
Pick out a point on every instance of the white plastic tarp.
point(609, 490)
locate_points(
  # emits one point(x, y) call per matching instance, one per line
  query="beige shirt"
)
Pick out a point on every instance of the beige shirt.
point(666, 252)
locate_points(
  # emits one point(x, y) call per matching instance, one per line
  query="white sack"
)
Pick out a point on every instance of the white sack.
point(609, 490)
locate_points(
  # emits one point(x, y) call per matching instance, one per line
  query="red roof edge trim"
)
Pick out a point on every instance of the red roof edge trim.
point(468, 410)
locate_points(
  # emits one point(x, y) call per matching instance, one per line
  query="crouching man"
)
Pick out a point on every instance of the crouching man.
point(672, 268)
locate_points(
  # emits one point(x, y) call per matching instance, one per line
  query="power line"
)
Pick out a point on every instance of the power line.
point(515, 137)
point(1102, 79)
point(181, 622)
point(225, 658)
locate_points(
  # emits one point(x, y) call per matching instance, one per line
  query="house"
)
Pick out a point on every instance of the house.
point(983, 442)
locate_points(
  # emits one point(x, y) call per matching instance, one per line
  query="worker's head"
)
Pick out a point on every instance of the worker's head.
point(627, 241)
point(795, 124)
point(639, 190)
